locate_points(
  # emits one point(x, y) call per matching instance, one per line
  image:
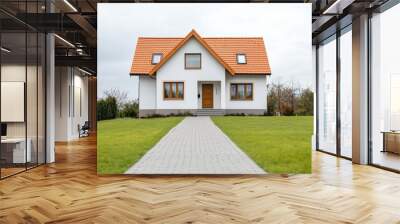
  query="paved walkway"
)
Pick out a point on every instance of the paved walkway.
point(195, 146)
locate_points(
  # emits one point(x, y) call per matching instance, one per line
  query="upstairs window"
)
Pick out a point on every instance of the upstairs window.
point(241, 58)
point(192, 61)
point(156, 58)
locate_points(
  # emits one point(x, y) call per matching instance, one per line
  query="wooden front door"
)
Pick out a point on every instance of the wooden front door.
point(207, 96)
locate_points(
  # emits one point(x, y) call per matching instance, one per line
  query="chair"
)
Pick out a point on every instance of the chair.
point(84, 130)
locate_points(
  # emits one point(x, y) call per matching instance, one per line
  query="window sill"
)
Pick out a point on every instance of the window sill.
point(168, 99)
point(241, 99)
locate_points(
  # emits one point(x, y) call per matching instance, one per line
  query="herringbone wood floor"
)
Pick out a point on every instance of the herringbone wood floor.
point(69, 191)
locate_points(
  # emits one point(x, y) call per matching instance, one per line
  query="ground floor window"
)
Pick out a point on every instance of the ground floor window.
point(327, 95)
point(173, 90)
point(241, 91)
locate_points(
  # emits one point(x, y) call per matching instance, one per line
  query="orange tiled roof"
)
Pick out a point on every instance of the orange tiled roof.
point(223, 49)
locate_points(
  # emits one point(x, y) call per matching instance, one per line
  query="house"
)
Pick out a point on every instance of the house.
point(199, 75)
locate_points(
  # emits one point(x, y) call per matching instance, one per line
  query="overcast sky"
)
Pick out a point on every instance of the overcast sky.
point(286, 29)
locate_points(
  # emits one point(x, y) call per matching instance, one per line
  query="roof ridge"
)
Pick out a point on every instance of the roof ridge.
point(203, 37)
point(161, 37)
point(192, 34)
point(233, 37)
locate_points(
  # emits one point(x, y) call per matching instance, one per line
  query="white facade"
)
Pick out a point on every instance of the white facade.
point(212, 72)
point(174, 70)
point(259, 92)
point(147, 93)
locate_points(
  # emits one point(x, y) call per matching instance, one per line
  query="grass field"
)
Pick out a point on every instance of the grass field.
point(277, 144)
point(122, 142)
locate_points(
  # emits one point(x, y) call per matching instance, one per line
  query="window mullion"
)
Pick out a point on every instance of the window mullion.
point(176, 90)
point(237, 91)
point(170, 90)
point(245, 91)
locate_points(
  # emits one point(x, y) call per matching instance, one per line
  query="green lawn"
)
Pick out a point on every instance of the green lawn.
point(277, 144)
point(122, 142)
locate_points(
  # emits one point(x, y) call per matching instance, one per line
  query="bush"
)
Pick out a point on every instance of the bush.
point(130, 109)
point(155, 116)
point(305, 103)
point(236, 114)
point(286, 100)
point(184, 114)
point(107, 108)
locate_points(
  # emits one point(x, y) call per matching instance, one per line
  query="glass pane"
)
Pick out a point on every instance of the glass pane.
point(394, 100)
point(240, 91)
point(193, 60)
point(241, 59)
point(156, 58)
point(233, 91)
point(41, 6)
point(31, 100)
point(385, 89)
point(32, 6)
point(327, 96)
point(167, 90)
point(15, 5)
point(346, 94)
point(13, 79)
point(249, 91)
point(180, 90)
point(173, 92)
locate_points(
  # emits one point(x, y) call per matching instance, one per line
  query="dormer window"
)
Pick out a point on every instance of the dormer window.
point(156, 58)
point(241, 58)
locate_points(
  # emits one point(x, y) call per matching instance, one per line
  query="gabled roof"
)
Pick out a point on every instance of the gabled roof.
point(223, 49)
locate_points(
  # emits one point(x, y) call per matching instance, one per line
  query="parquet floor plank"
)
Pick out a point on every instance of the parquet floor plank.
point(70, 191)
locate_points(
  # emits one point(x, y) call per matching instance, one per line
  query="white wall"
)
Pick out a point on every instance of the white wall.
point(70, 83)
point(147, 93)
point(174, 70)
point(259, 92)
point(62, 82)
point(79, 117)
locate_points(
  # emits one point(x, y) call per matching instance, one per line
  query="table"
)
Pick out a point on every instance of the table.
point(13, 150)
point(391, 141)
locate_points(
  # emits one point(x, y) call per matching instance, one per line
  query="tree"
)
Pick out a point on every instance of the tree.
point(107, 108)
point(286, 99)
point(120, 96)
point(272, 100)
point(305, 104)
